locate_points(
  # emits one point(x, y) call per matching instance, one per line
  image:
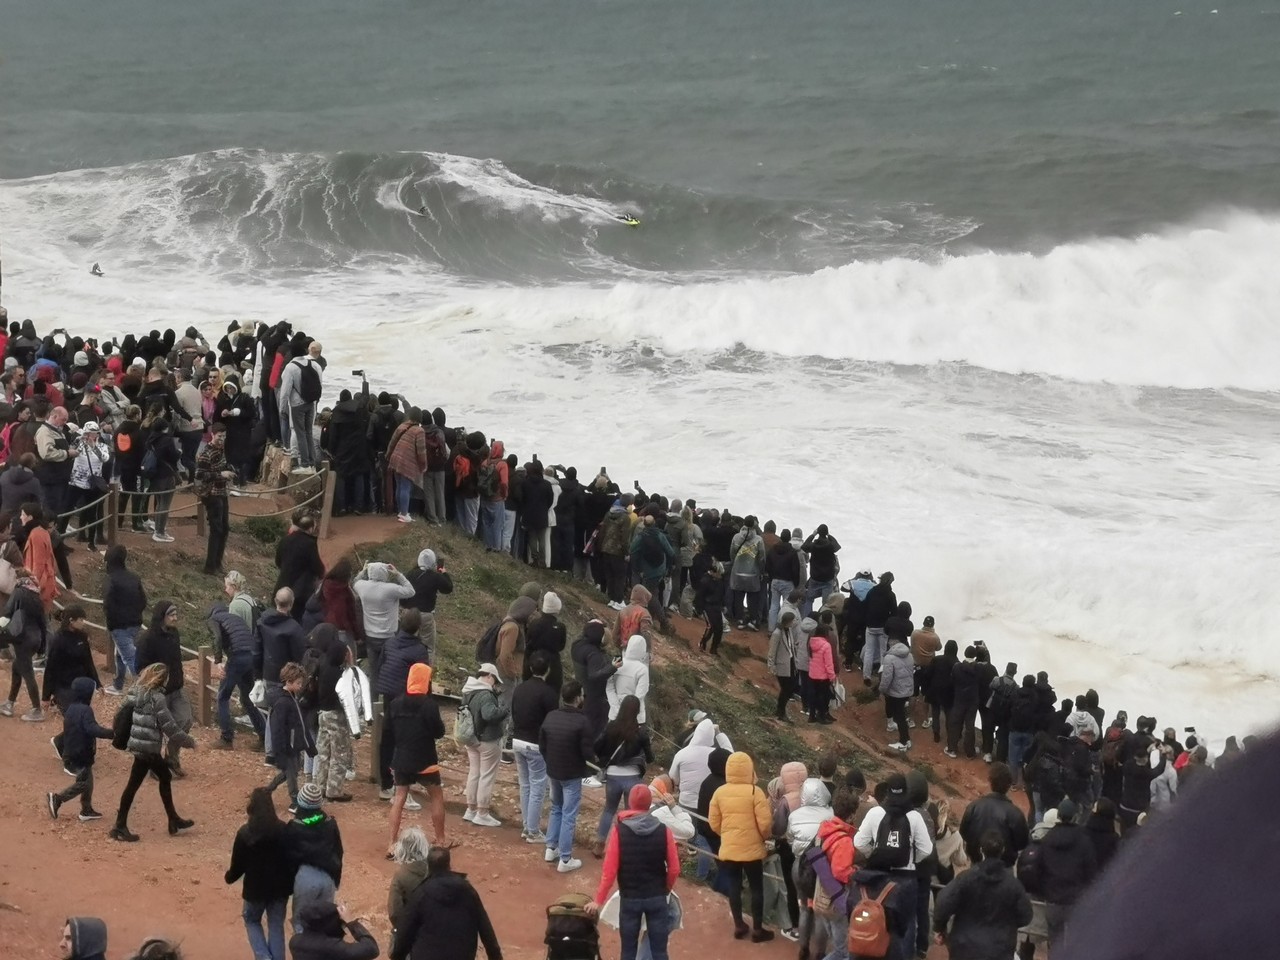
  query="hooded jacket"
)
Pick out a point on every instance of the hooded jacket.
point(511, 638)
point(880, 604)
point(748, 552)
point(1066, 865)
point(416, 724)
point(814, 810)
point(652, 553)
point(380, 593)
point(428, 583)
point(497, 460)
point(631, 678)
point(232, 637)
point(488, 710)
point(793, 775)
point(783, 563)
point(88, 935)
point(298, 559)
point(152, 722)
point(443, 921)
point(740, 813)
point(161, 645)
point(822, 665)
point(591, 665)
point(282, 641)
point(312, 839)
point(68, 659)
point(836, 839)
point(80, 728)
point(548, 634)
point(263, 863)
point(641, 855)
point(323, 936)
point(404, 885)
point(897, 674)
point(615, 531)
point(985, 906)
point(689, 766)
point(124, 599)
point(781, 658)
point(18, 485)
point(348, 437)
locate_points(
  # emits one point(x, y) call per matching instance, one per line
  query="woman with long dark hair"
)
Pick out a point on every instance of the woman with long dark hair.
point(259, 856)
point(624, 750)
point(163, 478)
point(152, 722)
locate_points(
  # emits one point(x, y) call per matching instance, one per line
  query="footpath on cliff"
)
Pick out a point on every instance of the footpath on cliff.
point(173, 886)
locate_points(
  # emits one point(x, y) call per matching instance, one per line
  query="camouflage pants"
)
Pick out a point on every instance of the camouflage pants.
point(333, 753)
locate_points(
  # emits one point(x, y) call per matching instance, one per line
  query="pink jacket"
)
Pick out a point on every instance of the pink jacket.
point(821, 664)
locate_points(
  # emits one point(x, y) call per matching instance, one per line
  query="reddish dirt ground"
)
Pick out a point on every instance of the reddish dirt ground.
point(173, 886)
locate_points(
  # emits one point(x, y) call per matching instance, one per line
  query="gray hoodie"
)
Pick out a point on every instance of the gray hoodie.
point(814, 810)
point(380, 593)
point(897, 674)
point(88, 938)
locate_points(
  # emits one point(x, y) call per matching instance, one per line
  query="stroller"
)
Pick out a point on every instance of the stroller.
point(571, 931)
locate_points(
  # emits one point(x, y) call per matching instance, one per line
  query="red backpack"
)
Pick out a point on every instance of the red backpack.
point(868, 925)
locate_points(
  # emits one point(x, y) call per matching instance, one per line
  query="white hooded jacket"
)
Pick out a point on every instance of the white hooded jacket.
point(689, 766)
point(380, 594)
point(356, 700)
point(814, 810)
point(631, 678)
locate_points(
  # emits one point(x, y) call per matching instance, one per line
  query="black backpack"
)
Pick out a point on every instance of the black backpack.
point(309, 382)
point(651, 551)
point(806, 876)
point(122, 725)
point(893, 842)
point(1003, 691)
point(487, 647)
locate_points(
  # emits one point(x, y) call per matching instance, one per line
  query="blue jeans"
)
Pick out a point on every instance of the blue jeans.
point(271, 946)
point(615, 789)
point(302, 436)
point(705, 860)
point(404, 492)
point(468, 514)
point(837, 929)
point(495, 512)
point(657, 920)
point(873, 652)
point(126, 655)
point(814, 589)
point(238, 674)
point(532, 771)
point(778, 591)
point(1019, 744)
point(566, 796)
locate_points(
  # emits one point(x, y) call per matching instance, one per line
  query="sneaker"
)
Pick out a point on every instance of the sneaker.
point(149, 524)
point(113, 691)
point(70, 530)
point(35, 715)
point(911, 723)
point(411, 804)
point(37, 664)
point(6, 709)
point(293, 809)
point(90, 814)
point(551, 854)
point(404, 518)
point(568, 866)
point(386, 794)
point(53, 742)
point(592, 782)
point(615, 605)
point(901, 747)
point(986, 758)
point(485, 820)
point(54, 804)
point(470, 814)
point(68, 771)
point(950, 753)
point(537, 836)
point(892, 727)
point(928, 722)
point(790, 933)
point(162, 537)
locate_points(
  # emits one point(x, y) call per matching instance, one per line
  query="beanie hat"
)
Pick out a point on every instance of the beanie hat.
point(640, 798)
point(551, 604)
point(427, 559)
point(1067, 811)
point(697, 716)
point(81, 359)
point(310, 797)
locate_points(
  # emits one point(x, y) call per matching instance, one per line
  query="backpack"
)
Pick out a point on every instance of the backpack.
point(309, 382)
point(487, 646)
point(806, 876)
point(1048, 776)
point(830, 896)
point(651, 551)
point(437, 452)
point(488, 483)
point(122, 725)
point(150, 468)
point(1003, 690)
point(1111, 748)
point(464, 725)
point(571, 931)
point(868, 926)
point(893, 843)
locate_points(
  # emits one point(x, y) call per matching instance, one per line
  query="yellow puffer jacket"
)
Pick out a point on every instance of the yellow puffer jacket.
point(740, 812)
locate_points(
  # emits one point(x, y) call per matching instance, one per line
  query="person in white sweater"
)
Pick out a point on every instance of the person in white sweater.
point(380, 587)
point(631, 678)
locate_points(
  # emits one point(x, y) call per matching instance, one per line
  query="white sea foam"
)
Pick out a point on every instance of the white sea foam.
point(1120, 535)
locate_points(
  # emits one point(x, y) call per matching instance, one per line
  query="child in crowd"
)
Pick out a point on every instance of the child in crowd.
point(290, 737)
point(80, 735)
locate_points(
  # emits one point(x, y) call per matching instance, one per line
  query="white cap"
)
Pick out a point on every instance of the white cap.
point(490, 669)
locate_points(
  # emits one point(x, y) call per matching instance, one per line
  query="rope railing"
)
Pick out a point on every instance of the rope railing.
point(83, 506)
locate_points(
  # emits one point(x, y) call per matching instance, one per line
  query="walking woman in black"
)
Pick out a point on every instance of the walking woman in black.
point(152, 722)
point(259, 856)
point(27, 628)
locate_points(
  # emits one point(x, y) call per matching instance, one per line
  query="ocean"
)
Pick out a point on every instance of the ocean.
point(989, 289)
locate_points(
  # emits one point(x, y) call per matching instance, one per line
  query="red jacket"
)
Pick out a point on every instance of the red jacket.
point(836, 838)
point(610, 872)
point(340, 607)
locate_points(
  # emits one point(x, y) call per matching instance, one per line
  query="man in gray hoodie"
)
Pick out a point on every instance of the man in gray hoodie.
point(897, 683)
point(84, 938)
point(380, 587)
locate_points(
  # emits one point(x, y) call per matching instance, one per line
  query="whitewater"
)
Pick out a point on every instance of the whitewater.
point(1067, 453)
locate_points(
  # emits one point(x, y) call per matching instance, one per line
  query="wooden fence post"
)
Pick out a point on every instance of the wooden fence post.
point(375, 774)
point(204, 676)
point(326, 503)
point(200, 529)
point(112, 512)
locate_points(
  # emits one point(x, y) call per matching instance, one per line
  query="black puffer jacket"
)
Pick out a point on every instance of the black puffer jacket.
point(124, 599)
point(262, 862)
point(985, 907)
point(312, 839)
point(400, 653)
point(995, 812)
point(1061, 866)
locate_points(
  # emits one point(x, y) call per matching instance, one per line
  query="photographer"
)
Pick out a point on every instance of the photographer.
point(57, 449)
